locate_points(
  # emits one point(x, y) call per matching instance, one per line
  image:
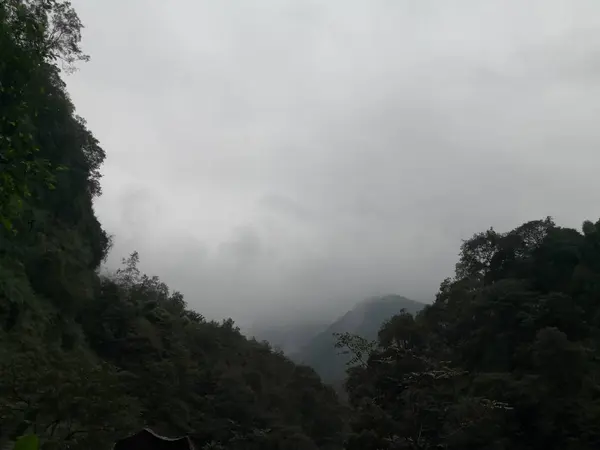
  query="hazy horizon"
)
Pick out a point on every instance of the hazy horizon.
point(288, 157)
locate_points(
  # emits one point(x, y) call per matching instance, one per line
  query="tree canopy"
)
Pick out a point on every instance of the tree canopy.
point(507, 357)
point(87, 359)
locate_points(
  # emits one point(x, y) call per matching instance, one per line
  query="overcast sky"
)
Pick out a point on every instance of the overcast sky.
point(272, 157)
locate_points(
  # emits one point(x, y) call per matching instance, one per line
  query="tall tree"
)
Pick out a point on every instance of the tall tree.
point(506, 357)
point(86, 359)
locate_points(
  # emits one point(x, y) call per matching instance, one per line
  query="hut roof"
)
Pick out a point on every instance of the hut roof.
point(147, 439)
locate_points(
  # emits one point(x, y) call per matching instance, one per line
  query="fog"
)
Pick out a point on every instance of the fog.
point(281, 158)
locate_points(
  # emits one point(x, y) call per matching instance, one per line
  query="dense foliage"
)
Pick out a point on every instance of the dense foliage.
point(363, 320)
point(86, 359)
point(507, 357)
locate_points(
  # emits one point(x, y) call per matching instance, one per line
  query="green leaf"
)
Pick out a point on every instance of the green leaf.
point(29, 442)
point(7, 224)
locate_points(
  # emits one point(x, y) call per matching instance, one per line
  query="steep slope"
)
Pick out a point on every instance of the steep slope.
point(505, 358)
point(86, 359)
point(288, 336)
point(365, 320)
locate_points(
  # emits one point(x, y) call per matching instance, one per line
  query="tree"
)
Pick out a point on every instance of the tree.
point(64, 398)
point(85, 359)
point(506, 356)
point(34, 35)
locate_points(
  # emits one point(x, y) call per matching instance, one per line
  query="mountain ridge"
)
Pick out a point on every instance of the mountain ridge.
point(364, 319)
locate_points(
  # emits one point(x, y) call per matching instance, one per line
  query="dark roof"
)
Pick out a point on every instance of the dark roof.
point(147, 439)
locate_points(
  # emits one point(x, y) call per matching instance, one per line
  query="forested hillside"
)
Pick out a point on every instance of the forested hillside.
point(86, 359)
point(363, 320)
point(506, 358)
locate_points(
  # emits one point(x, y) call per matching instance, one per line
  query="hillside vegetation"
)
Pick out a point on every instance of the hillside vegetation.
point(364, 320)
point(506, 358)
point(86, 359)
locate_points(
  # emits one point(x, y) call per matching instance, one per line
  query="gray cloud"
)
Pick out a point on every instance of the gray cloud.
point(288, 155)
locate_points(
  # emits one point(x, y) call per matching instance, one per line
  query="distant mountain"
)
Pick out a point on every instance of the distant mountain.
point(365, 319)
point(290, 337)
